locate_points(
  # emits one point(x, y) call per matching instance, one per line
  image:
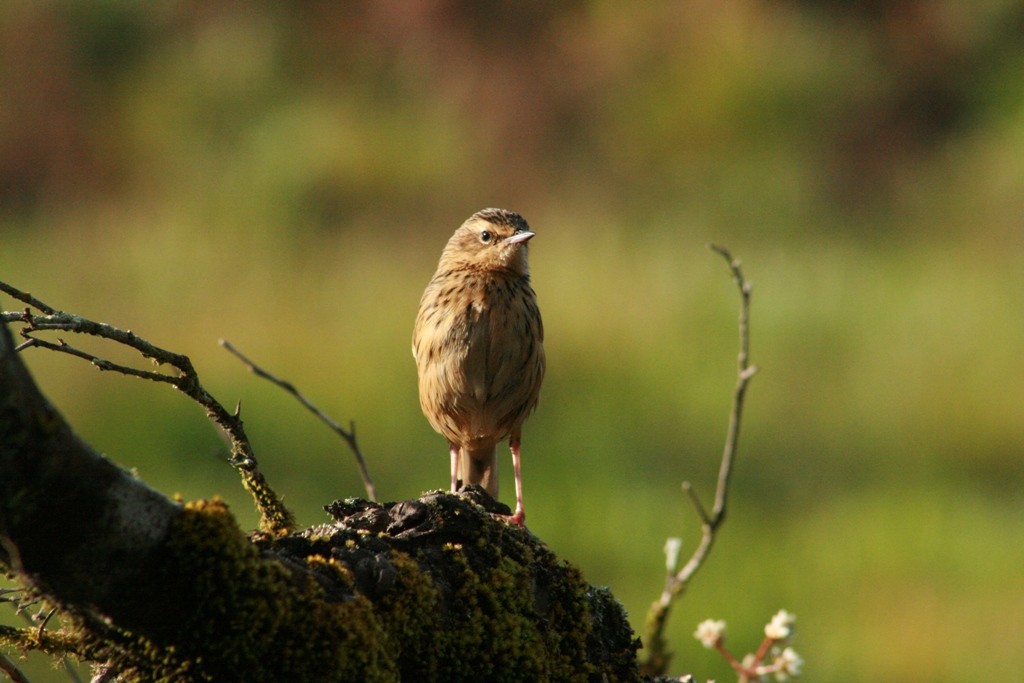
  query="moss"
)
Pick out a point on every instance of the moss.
point(476, 599)
point(427, 590)
point(254, 620)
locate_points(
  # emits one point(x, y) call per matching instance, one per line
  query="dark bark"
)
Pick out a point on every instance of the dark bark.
point(79, 526)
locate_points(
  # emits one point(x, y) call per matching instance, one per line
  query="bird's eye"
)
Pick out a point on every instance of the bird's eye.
point(486, 236)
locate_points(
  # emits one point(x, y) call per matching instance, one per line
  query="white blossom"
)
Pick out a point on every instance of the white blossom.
point(709, 632)
point(781, 625)
point(789, 664)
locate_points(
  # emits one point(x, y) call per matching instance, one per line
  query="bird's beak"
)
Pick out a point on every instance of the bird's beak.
point(519, 237)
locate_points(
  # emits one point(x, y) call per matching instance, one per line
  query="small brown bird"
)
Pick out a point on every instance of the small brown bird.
point(478, 344)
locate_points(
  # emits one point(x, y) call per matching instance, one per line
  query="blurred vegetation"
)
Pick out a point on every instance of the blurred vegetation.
point(285, 175)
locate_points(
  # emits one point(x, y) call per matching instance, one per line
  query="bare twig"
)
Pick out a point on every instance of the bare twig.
point(349, 435)
point(676, 582)
point(25, 297)
point(44, 620)
point(101, 363)
point(274, 517)
point(8, 667)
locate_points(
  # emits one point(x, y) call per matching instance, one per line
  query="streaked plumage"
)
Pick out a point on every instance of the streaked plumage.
point(478, 344)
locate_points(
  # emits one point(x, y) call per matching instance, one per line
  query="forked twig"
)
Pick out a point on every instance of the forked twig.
point(348, 435)
point(274, 517)
point(676, 581)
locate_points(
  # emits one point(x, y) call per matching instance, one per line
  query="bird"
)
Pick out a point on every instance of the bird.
point(478, 342)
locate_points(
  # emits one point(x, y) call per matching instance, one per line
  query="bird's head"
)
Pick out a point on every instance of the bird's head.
point(492, 239)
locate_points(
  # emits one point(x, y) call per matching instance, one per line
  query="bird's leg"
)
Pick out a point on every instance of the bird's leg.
point(454, 450)
point(519, 516)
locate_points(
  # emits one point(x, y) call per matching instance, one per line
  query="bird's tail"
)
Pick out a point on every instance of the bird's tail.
point(480, 466)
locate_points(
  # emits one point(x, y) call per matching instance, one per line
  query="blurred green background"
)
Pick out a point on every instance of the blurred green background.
point(285, 174)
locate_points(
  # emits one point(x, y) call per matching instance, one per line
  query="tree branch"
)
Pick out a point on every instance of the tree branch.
point(349, 435)
point(274, 516)
point(25, 297)
point(658, 657)
point(65, 510)
point(158, 591)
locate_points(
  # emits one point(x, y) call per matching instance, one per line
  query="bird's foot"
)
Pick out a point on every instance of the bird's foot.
point(518, 518)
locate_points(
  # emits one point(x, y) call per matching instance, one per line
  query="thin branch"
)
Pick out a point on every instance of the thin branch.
point(44, 620)
point(658, 657)
point(25, 297)
point(54, 643)
point(102, 364)
point(274, 517)
point(744, 373)
point(349, 435)
point(11, 669)
point(695, 500)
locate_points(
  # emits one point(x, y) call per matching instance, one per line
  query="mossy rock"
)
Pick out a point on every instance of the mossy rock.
point(433, 589)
